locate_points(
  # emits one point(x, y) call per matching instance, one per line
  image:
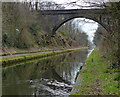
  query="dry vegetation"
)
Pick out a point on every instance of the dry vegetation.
point(22, 30)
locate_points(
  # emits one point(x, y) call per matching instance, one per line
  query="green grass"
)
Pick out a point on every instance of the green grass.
point(96, 77)
point(29, 61)
point(34, 56)
point(63, 33)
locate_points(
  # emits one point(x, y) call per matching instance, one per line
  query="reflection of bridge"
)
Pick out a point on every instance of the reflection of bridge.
point(59, 17)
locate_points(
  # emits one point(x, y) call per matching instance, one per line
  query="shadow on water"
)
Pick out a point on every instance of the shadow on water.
point(52, 76)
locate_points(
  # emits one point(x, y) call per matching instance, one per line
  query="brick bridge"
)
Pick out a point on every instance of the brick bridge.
point(59, 17)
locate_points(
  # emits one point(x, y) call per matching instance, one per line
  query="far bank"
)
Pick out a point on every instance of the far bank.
point(18, 58)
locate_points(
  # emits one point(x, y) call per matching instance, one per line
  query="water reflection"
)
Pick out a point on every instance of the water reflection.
point(52, 76)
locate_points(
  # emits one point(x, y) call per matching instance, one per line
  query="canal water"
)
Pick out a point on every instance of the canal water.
point(55, 75)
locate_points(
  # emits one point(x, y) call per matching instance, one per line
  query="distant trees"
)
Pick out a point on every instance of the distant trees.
point(50, 5)
point(42, 5)
point(72, 32)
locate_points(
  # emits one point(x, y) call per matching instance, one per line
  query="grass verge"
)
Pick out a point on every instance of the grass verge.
point(97, 78)
point(34, 56)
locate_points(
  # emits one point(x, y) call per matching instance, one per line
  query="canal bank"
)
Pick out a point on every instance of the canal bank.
point(25, 57)
point(97, 77)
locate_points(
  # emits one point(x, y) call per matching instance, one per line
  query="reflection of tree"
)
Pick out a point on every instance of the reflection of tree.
point(68, 68)
point(72, 32)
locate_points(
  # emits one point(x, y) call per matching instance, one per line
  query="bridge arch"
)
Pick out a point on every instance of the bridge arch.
point(59, 24)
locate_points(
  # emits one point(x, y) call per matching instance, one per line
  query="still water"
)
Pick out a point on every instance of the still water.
point(55, 75)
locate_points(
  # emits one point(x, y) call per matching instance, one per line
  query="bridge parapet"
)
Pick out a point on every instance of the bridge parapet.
point(73, 11)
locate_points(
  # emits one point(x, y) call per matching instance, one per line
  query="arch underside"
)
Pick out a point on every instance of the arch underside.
point(59, 24)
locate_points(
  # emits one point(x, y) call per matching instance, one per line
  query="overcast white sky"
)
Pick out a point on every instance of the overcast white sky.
point(89, 28)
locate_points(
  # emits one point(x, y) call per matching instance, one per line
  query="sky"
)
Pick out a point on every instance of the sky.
point(89, 28)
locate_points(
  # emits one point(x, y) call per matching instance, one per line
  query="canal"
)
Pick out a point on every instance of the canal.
point(55, 75)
